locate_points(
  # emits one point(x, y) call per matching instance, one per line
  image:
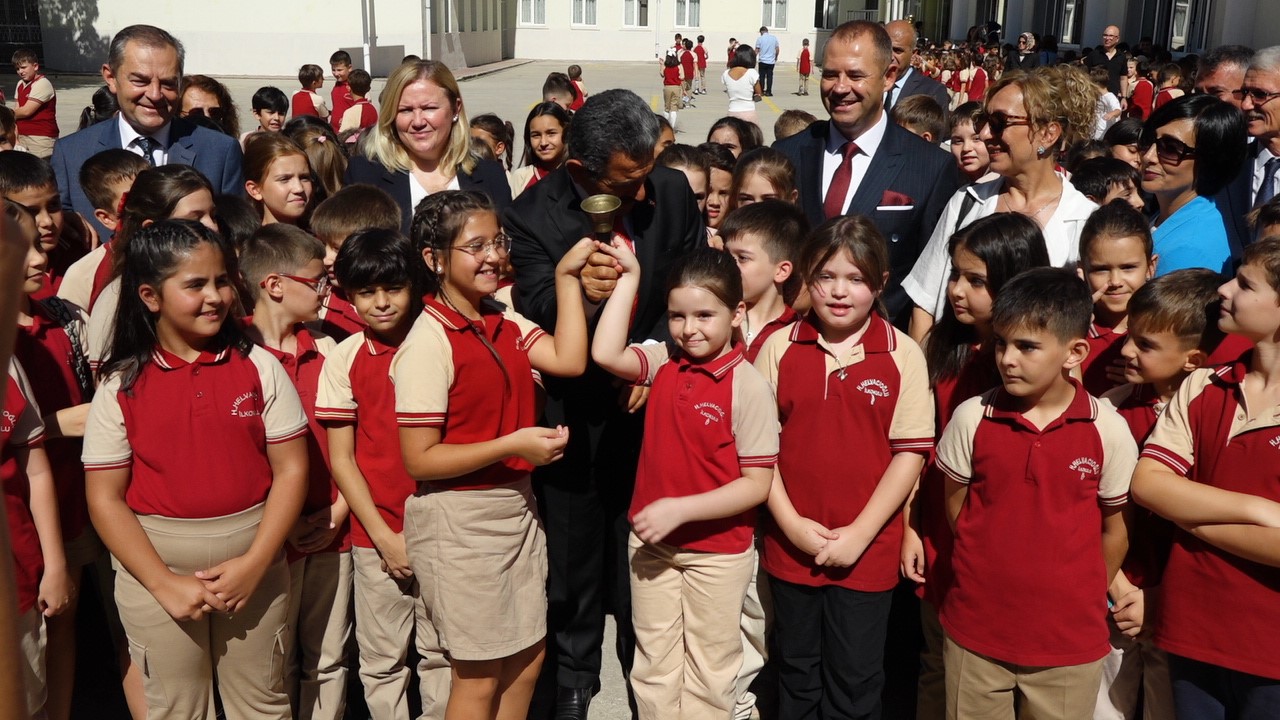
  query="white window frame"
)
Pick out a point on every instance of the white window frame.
point(688, 13)
point(631, 13)
point(583, 8)
point(533, 13)
point(773, 13)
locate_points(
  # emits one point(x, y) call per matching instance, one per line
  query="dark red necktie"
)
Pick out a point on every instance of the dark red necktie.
point(833, 206)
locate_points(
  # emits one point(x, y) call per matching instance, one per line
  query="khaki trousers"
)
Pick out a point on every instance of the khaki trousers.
point(982, 687)
point(38, 145)
point(319, 627)
point(757, 617)
point(1134, 669)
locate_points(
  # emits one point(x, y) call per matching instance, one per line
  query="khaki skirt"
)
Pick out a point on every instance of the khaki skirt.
point(480, 558)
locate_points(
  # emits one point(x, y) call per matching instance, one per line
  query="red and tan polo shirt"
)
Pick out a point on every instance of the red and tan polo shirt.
point(20, 427)
point(841, 426)
point(704, 423)
point(44, 348)
point(338, 317)
point(1029, 585)
point(1104, 348)
point(194, 435)
point(1150, 536)
point(470, 379)
point(756, 341)
point(355, 388)
point(1216, 607)
point(304, 369)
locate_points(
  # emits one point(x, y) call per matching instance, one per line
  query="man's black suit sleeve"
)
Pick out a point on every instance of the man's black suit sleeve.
point(535, 266)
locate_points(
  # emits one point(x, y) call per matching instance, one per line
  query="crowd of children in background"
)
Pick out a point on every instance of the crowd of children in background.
point(1094, 433)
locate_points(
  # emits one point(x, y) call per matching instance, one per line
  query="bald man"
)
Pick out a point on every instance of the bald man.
point(1107, 56)
point(910, 81)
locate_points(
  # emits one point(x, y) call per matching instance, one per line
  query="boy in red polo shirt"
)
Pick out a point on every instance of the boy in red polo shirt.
point(284, 267)
point(1172, 328)
point(37, 111)
point(340, 65)
point(307, 100)
point(1034, 469)
point(362, 113)
point(1212, 466)
point(350, 210)
point(30, 182)
point(765, 239)
point(357, 405)
point(105, 177)
point(700, 53)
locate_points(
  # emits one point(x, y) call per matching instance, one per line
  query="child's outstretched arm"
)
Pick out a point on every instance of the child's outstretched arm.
point(1115, 538)
point(566, 355)
point(1186, 502)
point(660, 517)
point(355, 488)
point(1259, 544)
point(609, 348)
point(56, 587)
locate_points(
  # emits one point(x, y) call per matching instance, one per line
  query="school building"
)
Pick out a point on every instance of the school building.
point(250, 37)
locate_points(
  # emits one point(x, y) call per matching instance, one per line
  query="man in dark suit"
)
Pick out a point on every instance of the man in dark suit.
point(144, 71)
point(584, 496)
point(1258, 179)
point(909, 80)
point(859, 162)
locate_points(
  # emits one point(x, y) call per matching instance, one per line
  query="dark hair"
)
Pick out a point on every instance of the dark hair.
point(920, 113)
point(1220, 140)
point(380, 256)
point(501, 130)
point(155, 193)
point(663, 124)
point(775, 166)
point(749, 134)
point(26, 55)
point(575, 72)
point(558, 83)
point(1126, 131)
point(670, 60)
point(613, 121)
point(1265, 253)
point(1082, 150)
point(880, 42)
point(1265, 215)
point(238, 220)
point(228, 119)
point(1116, 219)
point(152, 256)
point(440, 218)
point(1095, 177)
point(298, 123)
point(678, 156)
point(744, 56)
point(100, 172)
point(352, 209)
point(101, 107)
point(856, 235)
point(148, 36)
point(1183, 302)
point(711, 270)
point(276, 248)
point(270, 98)
point(341, 57)
point(719, 156)
point(262, 150)
point(555, 111)
point(309, 74)
point(969, 112)
point(1055, 300)
point(1237, 55)
point(702, 38)
point(1008, 244)
point(20, 171)
point(359, 82)
point(325, 154)
point(781, 227)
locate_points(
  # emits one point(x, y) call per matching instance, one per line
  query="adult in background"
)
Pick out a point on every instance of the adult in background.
point(584, 497)
point(767, 54)
point(1256, 181)
point(1025, 56)
point(1107, 55)
point(1220, 72)
point(144, 71)
point(859, 163)
point(202, 96)
point(909, 80)
point(422, 143)
point(1029, 117)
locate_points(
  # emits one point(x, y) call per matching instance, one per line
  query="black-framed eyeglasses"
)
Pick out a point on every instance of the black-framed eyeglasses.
point(1169, 150)
point(501, 245)
point(999, 121)
point(1257, 95)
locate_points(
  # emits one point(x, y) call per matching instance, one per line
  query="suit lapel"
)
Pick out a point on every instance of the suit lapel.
point(810, 172)
point(882, 171)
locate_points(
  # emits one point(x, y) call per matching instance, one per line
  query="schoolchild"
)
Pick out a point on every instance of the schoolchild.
point(278, 178)
point(338, 217)
point(546, 145)
point(1210, 467)
point(700, 53)
point(340, 66)
point(804, 67)
point(270, 108)
point(766, 239)
point(706, 464)
point(671, 88)
point(842, 374)
point(466, 407)
point(356, 404)
point(283, 269)
point(30, 182)
point(1103, 179)
point(1033, 467)
point(37, 105)
point(105, 177)
point(195, 463)
point(362, 113)
point(762, 174)
point(721, 162)
point(306, 100)
point(959, 351)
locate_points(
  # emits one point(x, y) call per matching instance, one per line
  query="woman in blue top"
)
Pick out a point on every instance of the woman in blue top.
point(1190, 149)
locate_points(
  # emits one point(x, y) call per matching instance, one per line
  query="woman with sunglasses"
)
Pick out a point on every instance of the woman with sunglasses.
point(1191, 147)
point(1029, 117)
point(204, 97)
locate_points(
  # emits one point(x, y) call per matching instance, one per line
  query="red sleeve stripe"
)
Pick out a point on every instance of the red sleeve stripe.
point(293, 435)
point(420, 419)
point(643, 376)
point(528, 341)
point(952, 473)
point(1116, 501)
point(911, 445)
point(762, 461)
point(339, 414)
point(1167, 457)
point(109, 464)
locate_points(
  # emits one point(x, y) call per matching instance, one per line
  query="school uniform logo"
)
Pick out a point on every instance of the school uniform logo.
point(874, 389)
point(1086, 466)
point(1273, 442)
point(711, 411)
point(10, 422)
point(246, 405)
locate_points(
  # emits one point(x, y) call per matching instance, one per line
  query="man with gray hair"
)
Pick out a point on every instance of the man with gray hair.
point(144, 72)
point(1256, 182)
point(1220, 72)
point(584, 496)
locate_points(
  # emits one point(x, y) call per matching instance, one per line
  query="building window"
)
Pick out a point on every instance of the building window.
point(688, 13)
point(1072, 17)
point(533, 12)
point(584, 12)
point(826, 14)
point(774, 15)
point(635, 13)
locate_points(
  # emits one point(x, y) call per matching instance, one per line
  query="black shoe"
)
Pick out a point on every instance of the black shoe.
point(572, 703)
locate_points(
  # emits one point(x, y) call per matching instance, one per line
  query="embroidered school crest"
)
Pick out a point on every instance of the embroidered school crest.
point(711, 411)
point(242, 407)
point(1086, 466)
point(874, 389)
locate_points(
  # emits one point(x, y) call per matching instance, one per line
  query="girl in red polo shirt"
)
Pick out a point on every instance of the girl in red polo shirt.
point(710, 445)
point(196, 460)
point(277, 178)
point(466, 406)
point(959, 352)
point(857, 423)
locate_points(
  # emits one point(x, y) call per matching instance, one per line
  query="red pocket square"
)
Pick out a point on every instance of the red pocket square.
point(892, 198)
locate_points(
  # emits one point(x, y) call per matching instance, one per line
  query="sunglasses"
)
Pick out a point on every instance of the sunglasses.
point(213, 113)
point(999, 121)
point(1257, 95)
point(1169, 150)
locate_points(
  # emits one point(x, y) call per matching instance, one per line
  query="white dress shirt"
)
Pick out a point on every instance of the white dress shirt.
point(868, 142)
point(160, 156)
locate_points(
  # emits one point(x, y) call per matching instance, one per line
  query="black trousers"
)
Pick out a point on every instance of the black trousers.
point(830, 651)
point(766, 77)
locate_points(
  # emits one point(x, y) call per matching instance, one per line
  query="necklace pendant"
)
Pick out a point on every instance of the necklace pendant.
point(840, 376)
